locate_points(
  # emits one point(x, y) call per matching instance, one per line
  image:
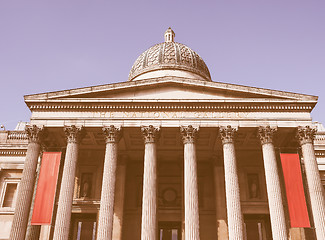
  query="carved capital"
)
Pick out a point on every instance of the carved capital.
point(74, 134)
point(266, 134)
point(112, 134)
point(189, 133)
point(35, 134)
point(150, 134)
point(227, 134)
point(305, 134)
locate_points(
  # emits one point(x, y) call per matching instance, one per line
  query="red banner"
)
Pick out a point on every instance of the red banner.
point(295, 190)
point(46, 186)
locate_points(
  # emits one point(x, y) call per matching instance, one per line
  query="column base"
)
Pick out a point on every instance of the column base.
point(302, 234)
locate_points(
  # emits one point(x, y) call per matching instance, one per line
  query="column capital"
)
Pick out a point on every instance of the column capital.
point(34, 133)
point(227, 134)
point(266, 134)
point(74, 134)
point(305, 134)
point(150, 134)
point(189, 133)
point(112, 134)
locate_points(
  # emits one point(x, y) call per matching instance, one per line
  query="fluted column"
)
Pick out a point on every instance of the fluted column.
point(33, 231)
point(105, 219)
point(62, 223)
point(191, 198)
point(119, 198)
point(26, 185)
point(234, 213)
point(149, 198)
point(277, 215)
point(305, 136)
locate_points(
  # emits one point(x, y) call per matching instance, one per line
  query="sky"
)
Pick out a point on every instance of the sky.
point(56, 45)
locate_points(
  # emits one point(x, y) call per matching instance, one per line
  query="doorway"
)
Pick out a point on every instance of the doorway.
point(258, 227)
point(169, 231)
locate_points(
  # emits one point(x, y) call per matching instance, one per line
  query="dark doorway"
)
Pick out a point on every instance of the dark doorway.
point(258, 227)
point(169, 231)
point(83, 227)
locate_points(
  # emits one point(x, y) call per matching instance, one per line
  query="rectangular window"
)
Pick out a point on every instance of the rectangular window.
point(9, 198)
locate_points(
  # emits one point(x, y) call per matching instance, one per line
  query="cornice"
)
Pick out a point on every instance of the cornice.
point(174, 106)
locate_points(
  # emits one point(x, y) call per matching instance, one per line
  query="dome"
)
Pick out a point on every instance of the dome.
point(169, 58)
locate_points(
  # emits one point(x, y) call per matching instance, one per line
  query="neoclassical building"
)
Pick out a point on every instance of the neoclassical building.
point(167, 155)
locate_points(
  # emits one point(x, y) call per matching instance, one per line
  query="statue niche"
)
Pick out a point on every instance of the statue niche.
point(86, 185)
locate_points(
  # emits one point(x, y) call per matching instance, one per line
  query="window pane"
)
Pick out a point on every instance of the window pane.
point(10, 195)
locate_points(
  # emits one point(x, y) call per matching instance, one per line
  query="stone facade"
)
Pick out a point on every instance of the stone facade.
point(169, 154)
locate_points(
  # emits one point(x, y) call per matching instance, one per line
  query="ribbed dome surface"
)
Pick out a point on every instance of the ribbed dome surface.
point(169, 55)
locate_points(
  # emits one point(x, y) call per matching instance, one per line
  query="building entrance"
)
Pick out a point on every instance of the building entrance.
point(258, 227)
point(169, 231)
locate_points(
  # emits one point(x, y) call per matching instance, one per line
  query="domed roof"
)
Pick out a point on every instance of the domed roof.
point(169, 55)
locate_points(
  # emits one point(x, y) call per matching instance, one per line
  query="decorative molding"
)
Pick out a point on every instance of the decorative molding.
point(227, 134)
point(112, 134)
point(13, 152)
point(168, 106)
point(150, 134)
point(189, 133)
point(34, 133)
point(74, 134)
point(17, 135)
point(305, 134)
point(266, 134)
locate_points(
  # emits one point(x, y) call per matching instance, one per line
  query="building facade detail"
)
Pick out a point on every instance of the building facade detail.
point(234, 212)
point(274, 193)
point(106, 212)
point(74, 136)
point(149, 198)
point(305, 136)
point(26, 186)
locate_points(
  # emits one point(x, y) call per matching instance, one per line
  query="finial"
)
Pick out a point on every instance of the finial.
point(169, 35)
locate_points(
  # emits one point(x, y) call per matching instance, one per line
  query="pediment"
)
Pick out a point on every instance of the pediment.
point(170, 89)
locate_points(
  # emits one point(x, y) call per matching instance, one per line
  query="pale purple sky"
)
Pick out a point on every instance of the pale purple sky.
point(63, 44)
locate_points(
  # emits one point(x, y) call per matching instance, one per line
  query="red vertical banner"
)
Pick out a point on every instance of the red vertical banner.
point(295, 190)
point(46, 186)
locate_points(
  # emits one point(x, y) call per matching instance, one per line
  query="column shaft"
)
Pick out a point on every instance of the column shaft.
point(105, 219)
point(305, 136)
point(191, 197)
point(273, 186)
point(234, 213)
point(192, 227)
point(63, 216)
point(149, 199)
point(277, 215)
point(119, 201)
point(26, 185)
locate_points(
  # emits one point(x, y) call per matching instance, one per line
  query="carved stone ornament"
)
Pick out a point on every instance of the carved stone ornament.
point(112, 134)
point(150, 134)
point(189, 133)
point(227, 134)
point(305, 134)
point(74, 134)
point(34, 133)
point(266, 134)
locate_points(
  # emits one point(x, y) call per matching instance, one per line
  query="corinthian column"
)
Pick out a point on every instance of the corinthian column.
point(278, 223)
point(149, 199)
point(191, 197)
point(106, 214)
point(26, 185)
point(234, 213)
point(305, 136)
point(62, 223)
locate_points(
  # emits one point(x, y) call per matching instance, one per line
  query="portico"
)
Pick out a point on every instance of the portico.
point(170, 154)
